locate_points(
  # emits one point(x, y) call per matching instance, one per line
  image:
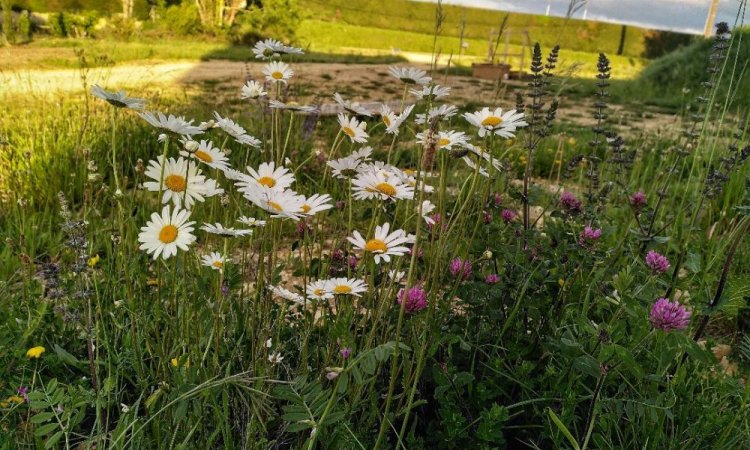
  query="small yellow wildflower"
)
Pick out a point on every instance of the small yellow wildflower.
point(152, 282)
point(176, 362)
point(12, 399)
point(35, 352)
point(561, 282)
point(93, 260)
point(572, 141)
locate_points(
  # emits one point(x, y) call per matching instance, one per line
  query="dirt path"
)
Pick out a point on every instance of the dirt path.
point(363, 82)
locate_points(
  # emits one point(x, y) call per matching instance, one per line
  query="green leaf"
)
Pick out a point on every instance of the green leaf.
point(563, 429)
point(45, 429)
point(65, 357)
point(52, 441)
point(42, 417)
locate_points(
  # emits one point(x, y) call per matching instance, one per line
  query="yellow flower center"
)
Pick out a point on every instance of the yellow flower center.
point(218, 264)
point(277, 75)
point(387, 121)
point(267, 181)
point(349, 131)
point(203, 156)
point(176, 183)
point(443, 142)
point(342, 289)
point(492, 121)
point(275, 206)
point(306, 208)
point(386, 188)
point(376, 245)
point(318, 292)
point(168, 234)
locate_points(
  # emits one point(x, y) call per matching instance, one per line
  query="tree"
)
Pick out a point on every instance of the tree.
point(8, 32)
point(218, 13)
point(127, 9)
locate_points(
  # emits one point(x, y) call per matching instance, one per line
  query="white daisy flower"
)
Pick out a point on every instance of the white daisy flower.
point(272, 48)
point(319, 290)
point(495, 121)
point(344, 167)
point(353, 128)
point(393, 121)
point(353, 108)
point(214, 260)
point(380, 185)
point(177, 125)
point(384, 244)
point(363, 153)
point(207, 125)
point(315, 204)
point(435, 91)
point(427, 208)
point(118, 99)
point(252, 221)
point(252, 89)
point(220, 230)
point(441, 112)
point(278, 71)
point(483, 154)
point(268, 175)
point(287, 295)
point(236, 131)
point(347, 286)
point(207, 154)
point(182, 181)
point(445, 139)
point(292, 106)
point(410, 75)
point(165, 233)
point(283, 204)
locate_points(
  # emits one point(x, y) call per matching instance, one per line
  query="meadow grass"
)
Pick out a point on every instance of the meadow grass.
point(524, 314)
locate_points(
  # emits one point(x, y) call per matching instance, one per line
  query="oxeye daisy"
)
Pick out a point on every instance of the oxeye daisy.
point(315, 204)
point(427, 208)
point(252, 221)
point(445, 140)
point(378, 184)
point(319, 290)
point(393, 121)
point(410, 75)
point(252, 89)
point(236, 131)
point(270, 48)
point(282, 204)
point(267, 175)
point(353, 128)
point(182, 181)
point(165, 233)
point(495, 121)
point(177, 125)
point(214, 260)
point(353, 108)
point(441, 112)
point(206, 153)
point(344, 167)
point(287, 295)
point(383, 245)
point(347, 286)
point(292, 106)
point(363, 153)
point(431, 92)
point(118, 99)
point(221, 230)
point(278, 71)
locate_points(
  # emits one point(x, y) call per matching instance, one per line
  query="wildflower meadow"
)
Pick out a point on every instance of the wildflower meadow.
point(419, 274)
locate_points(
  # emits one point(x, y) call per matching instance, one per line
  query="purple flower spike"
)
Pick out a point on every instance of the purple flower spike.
point(570, 203)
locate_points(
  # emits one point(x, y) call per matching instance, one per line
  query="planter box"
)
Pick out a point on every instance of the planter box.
point(488, 71)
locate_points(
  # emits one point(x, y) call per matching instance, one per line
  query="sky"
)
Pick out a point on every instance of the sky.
point(678, 15)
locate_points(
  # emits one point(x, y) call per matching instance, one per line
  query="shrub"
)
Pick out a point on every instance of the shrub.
point(276, 19)
point(24, 26)
point(180, 19)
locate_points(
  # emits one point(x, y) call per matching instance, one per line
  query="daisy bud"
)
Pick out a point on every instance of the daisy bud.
point(118, 193)
point(487, 255)
point(191, 146)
